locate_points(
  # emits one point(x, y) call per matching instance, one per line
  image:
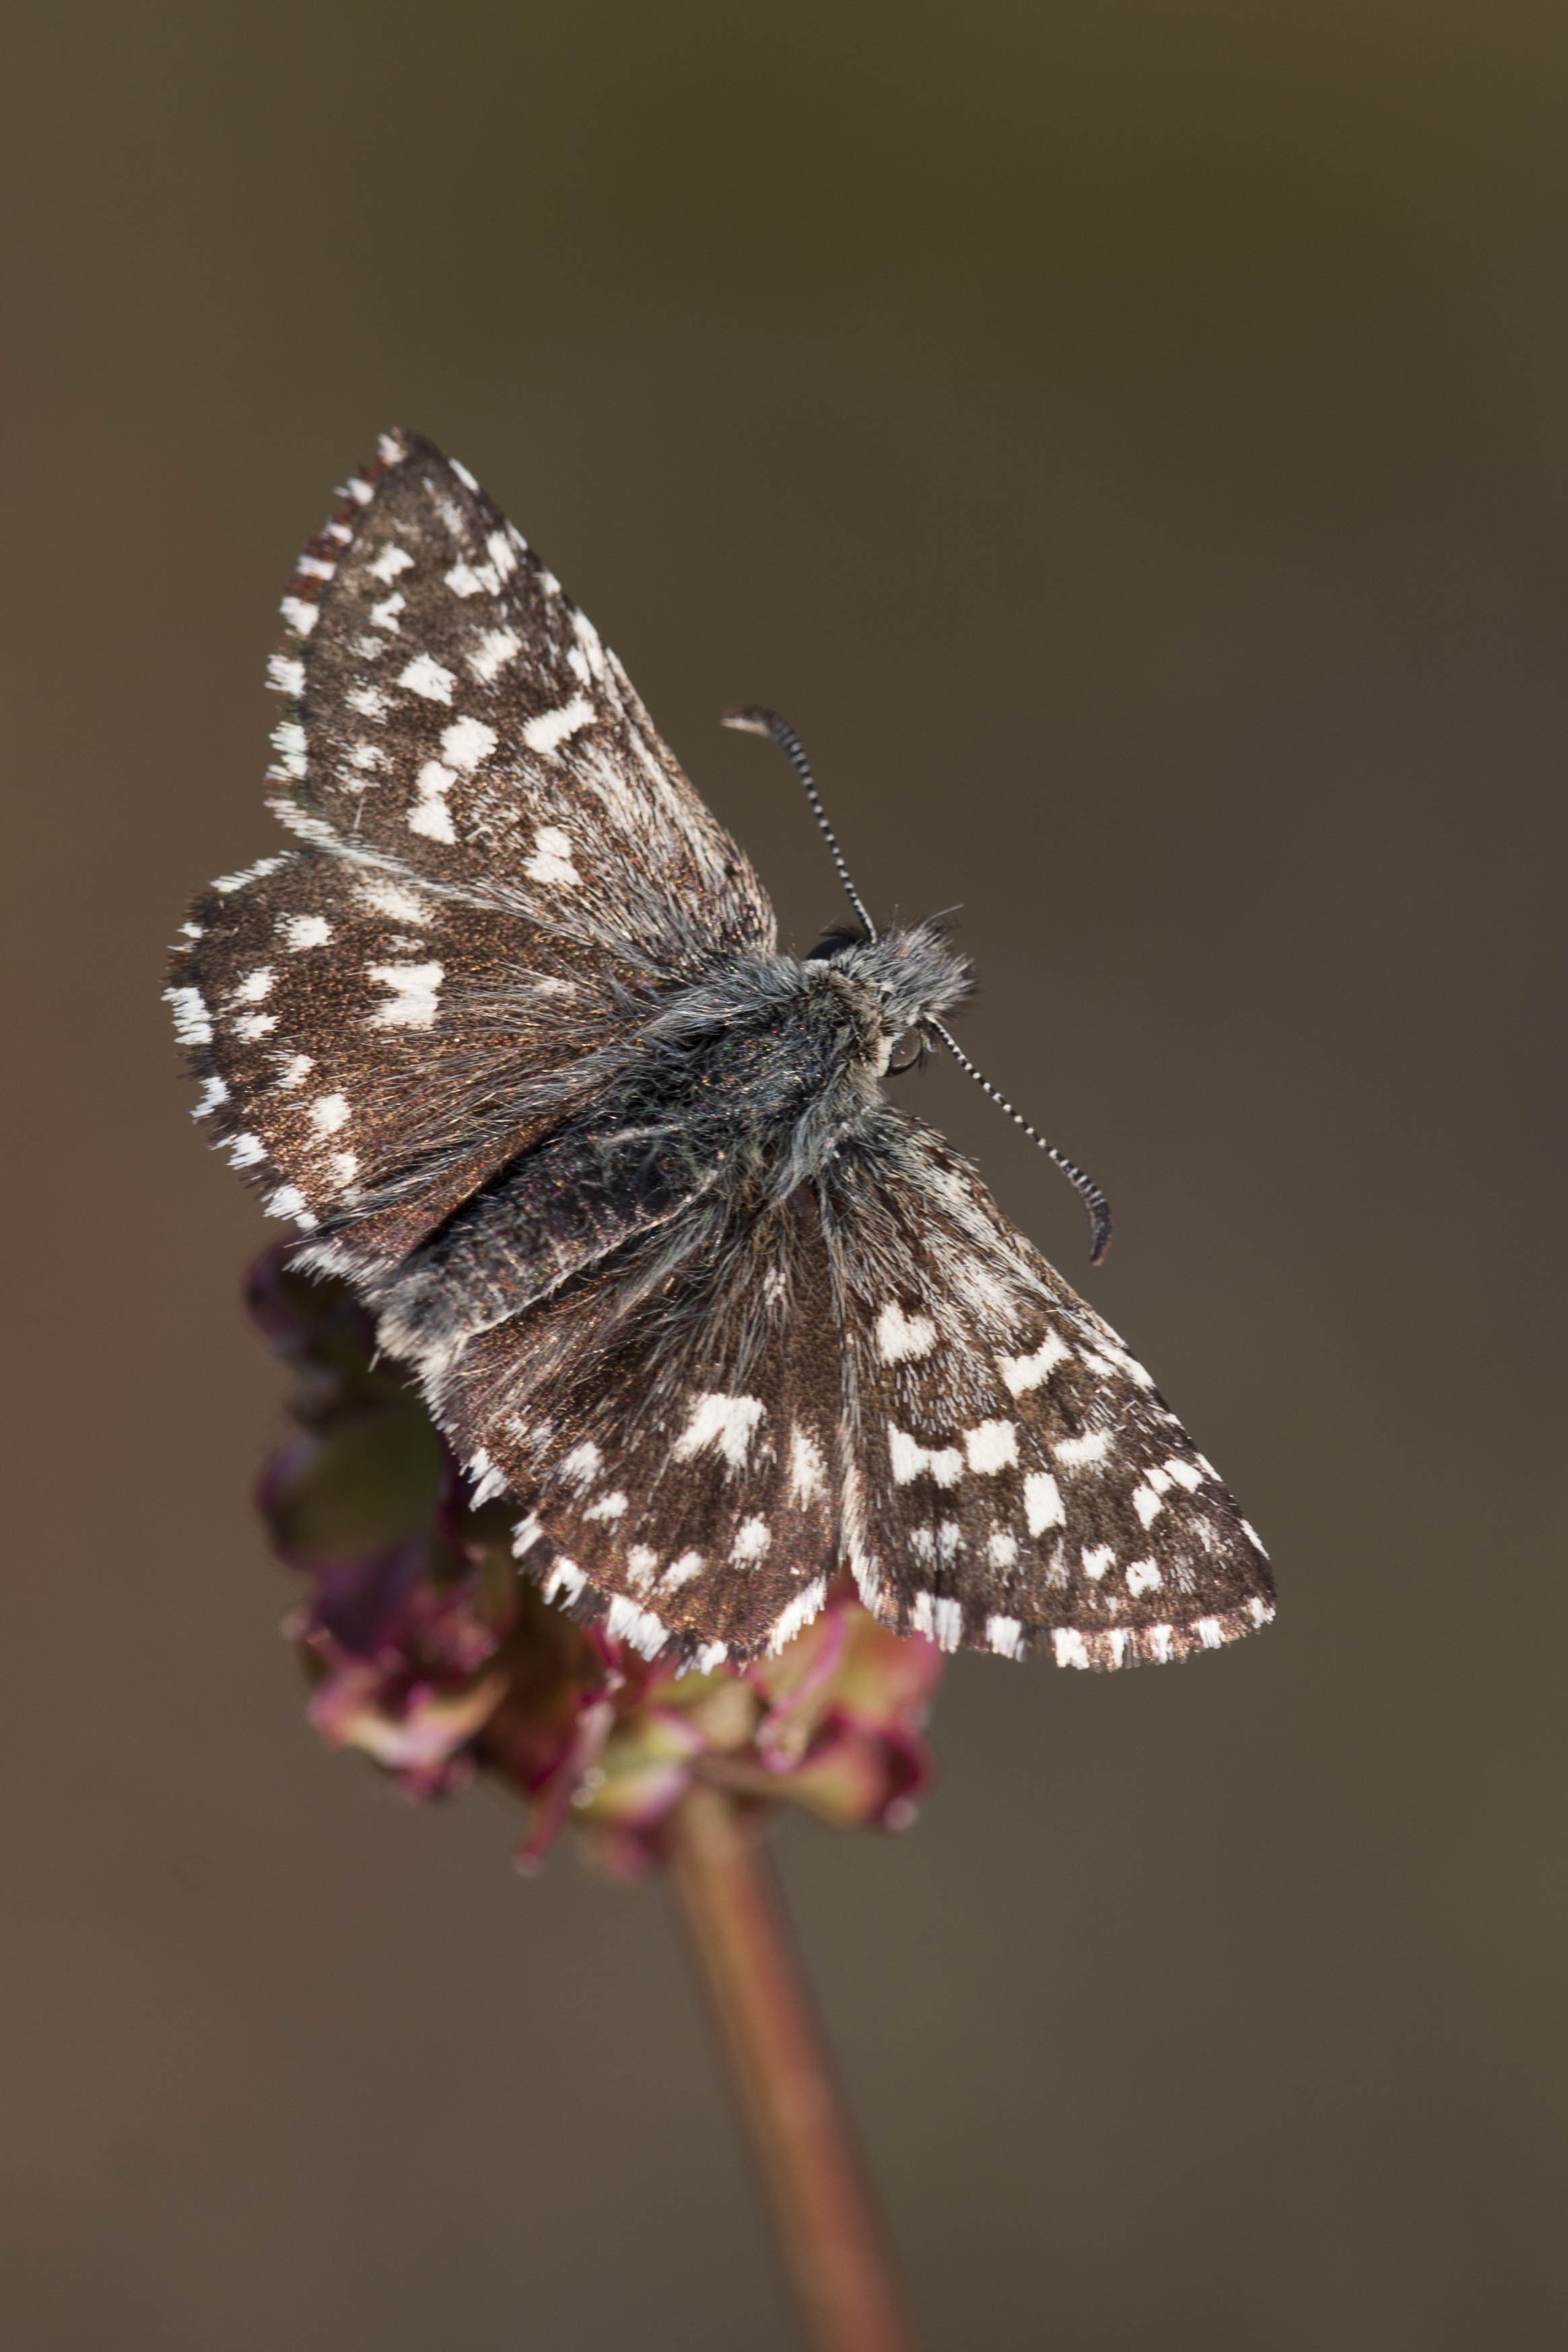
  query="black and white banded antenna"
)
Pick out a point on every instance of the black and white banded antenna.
point(1088, 1191)
point(755, 718)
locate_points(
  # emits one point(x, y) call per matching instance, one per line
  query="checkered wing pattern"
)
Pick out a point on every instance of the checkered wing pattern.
point(498, 854)
point(1012, 1475)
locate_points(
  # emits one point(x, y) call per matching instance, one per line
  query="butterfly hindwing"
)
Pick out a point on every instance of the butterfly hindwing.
point(1016, 1477)
point(321, 996)
point(674, 1416)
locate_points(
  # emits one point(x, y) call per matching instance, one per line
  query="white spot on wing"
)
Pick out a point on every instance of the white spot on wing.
point(992, 1446)
point(288, 741)
point(1005, 1636)
point(424, 676)
point(192, 1023)
point(474, 579)
point(298, 931)
point(329, 1113)
point(726, 1422)
point(1002, 1550)
point(1184, 1473)
point(295, 1072)
point(429, 814)
point(213, 1094)
point(1041, 1502)
point(910, 1459)
point(300, 616)
point(552, 728)
point(551, 860)
point(467, 741)
point(387, 897)
point(901, 1337)
point(800, 1611)
point(246, 1151)
point(1022, 1373)
point(264, 865)
point(941, 1622)
point(752, 1537)
point(565, 1578)
point(492, 652)
point(1069, 1647)
point(389, 563)
point(288, 1201)
point(588, 637)
point(413, 1002)
point(251, 1027)
point(807, 1471)
point(1097, 1558)
point(256, 985)
point(609, 1507)
point(1142, 1575)
point(1077, 1453)
point(639, 1628)
point(681, 1571)
point(1147, 1504)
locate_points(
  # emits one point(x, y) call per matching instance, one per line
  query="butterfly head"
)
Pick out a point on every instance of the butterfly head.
point(911, 976)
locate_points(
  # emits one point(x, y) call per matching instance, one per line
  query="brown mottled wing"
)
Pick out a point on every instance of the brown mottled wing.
point(334, 1011)
point(672, 1414)
point(495, 843)
point(1013, 1477)
point(451, 709)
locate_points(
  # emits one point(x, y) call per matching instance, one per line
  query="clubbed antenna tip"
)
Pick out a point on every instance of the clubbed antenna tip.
point(1088, 1191)
point(756, 718)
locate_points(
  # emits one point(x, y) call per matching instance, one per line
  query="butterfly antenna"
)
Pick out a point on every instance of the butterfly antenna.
point(751, 719)
point(1093, 1200)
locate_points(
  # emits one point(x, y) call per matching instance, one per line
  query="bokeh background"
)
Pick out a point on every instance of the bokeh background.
point(1130, 441)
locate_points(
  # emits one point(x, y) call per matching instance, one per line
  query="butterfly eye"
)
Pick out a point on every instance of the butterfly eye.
point(907, 1050)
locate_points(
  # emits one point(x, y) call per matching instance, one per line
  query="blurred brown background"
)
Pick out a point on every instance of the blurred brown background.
point(1130, 441)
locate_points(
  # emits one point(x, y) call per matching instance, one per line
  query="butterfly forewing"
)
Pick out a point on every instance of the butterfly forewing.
point(453, 709)
point(494, 837)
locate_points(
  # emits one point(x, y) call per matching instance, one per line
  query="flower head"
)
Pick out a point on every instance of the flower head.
point(428, 1649)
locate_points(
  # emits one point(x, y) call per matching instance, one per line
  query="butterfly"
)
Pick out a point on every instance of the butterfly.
point(507, 1034)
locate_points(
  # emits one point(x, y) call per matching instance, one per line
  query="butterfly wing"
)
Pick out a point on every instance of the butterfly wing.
point(876, 1373)
point(672, 1414)
point(1012, 1475)
point(495, 848)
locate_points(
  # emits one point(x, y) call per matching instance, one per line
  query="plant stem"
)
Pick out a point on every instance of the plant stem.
point(832, 2238)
